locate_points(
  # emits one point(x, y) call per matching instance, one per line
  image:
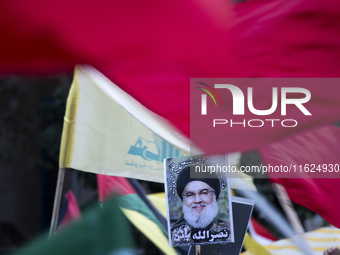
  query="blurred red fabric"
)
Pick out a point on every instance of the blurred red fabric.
point(110, 185)
point(313, 159)
point(72, 211)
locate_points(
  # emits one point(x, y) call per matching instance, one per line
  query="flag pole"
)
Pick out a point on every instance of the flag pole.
point(142, 194)
point(198, 250)
point(140, 191)
point(291, 214)
point(57, 199)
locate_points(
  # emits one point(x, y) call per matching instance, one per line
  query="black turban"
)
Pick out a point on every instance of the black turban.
point(184, 178)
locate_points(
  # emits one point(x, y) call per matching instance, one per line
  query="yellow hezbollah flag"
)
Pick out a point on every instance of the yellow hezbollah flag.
point(108, 132)
point(320, 240)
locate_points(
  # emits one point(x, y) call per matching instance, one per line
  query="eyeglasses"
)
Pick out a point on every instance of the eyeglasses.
point(204, 193)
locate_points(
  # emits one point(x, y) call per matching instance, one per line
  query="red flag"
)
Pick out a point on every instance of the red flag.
point(279, 39)
point(312, 157)
point(151, 50)
point(297, 39)
point(108, 185)
point(260, 233)
point(289, 38)
point(69, 210)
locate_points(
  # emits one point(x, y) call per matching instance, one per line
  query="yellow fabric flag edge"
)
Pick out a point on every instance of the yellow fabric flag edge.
point(254, 247)
point(151, 120)
point(158, 200)
point(67, 138)
point(150, 230)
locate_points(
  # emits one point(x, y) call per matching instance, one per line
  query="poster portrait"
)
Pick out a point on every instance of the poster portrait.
point(198, 204)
